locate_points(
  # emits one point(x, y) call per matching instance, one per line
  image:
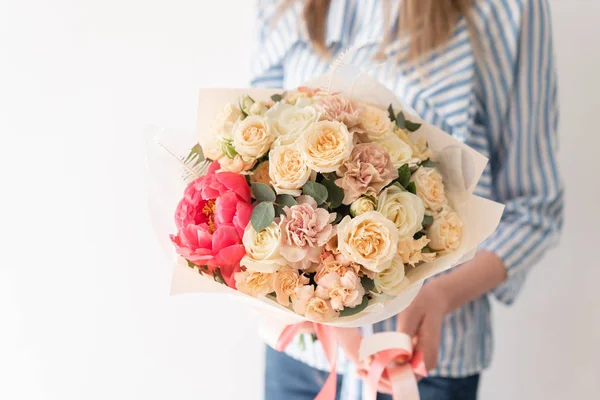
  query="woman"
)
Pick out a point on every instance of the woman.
point(481, 70)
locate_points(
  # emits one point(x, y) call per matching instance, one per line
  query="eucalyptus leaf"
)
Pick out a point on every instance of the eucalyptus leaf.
point(404, 175)
point(316, 191)
point(411, 187)
point(400, 120)
point(427, 220)
point(335, 193)
point(277, 97)
point(262, 215)
point(419, 235)
point(411, 126)
point(367, 283)
point(262, 192)
point(391, 113)
point(346, 312)
point(286, 200)
point(428, 163)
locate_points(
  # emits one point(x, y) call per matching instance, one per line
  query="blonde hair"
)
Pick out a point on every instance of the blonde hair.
point(429, 23)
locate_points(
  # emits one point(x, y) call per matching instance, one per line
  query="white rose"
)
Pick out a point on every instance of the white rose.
point(430, 187)
point(375, 124)
point(445, 233)
point(258, 108)
point(325, 145)
point(287, 170)
point(400, 152)
point(262, 249)
point(362, 205)
point(252, 137)
point(220, 128)
point(391, 280)
point(290, 121)
point(370, 240)
point(403, 208)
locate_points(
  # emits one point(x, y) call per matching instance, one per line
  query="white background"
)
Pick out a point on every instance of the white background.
point(84, 305)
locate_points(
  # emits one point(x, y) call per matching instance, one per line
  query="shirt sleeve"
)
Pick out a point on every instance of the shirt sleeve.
point(266, 64)
point(519, 89)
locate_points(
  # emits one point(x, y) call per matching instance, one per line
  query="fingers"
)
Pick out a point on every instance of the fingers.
point(428, 343)
point(408, 321)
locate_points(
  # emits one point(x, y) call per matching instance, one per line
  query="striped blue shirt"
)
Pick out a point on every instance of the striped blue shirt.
point(497, 94)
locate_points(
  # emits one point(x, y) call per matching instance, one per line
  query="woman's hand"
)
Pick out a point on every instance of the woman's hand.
point(422, 320)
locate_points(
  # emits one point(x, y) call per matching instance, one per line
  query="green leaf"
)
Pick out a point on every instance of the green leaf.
point(400, 120)
point(262, 192)
point(282, 201)
point(391, 113)
point(335, 193)
point(404, 175)
point(316, 191)
point(262, 215)
point(411, 187)
point(412, 126)
point(338, 218)
point(419, 235)
point(355, 310)
point(367, 283)
point(428, 163)
point(399, 186)
point(277, 97)
point(427, 220)
point(228, 149)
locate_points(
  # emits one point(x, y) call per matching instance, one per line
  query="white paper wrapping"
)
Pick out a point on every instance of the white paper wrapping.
point(460, 165)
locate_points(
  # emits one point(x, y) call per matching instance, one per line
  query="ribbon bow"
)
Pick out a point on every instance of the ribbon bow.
point(393, 366)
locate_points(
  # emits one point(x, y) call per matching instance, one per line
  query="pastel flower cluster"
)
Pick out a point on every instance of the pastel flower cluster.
point(315, 200)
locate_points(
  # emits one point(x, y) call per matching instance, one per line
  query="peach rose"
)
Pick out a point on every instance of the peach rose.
point(375, 124)
point(325, 145)
point(287, 170)
point(430, 187)
point(252, 137)
point(287, 280)
point(445, 233)
point(256, 284)
point(320, 310)
point(236, 165)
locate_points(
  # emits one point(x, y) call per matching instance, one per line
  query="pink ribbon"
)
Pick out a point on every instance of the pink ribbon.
point(394, 371)
point(327, 337)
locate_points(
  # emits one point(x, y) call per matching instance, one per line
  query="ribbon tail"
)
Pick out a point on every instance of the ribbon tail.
point(326, 336)
point(404, 383)
point(286, 337)
point(417, 364)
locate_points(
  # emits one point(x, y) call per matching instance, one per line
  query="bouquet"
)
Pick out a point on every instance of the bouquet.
point(331, 203)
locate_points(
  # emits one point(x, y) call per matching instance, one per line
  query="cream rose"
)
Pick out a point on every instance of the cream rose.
point(445, 233)
point(403, 208)
point(391, 280)
point(289, 121)
point(220, 129)
point(362, 205)
point(263, 249)
point(430, 187)
point(400, 152)
point(325, 145)
point(370, 240)
point(287, 170)
point(254, 283)
point(375, 124)
point(252, 137)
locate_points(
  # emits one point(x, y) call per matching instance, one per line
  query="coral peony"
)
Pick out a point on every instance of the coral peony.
point(211, 219)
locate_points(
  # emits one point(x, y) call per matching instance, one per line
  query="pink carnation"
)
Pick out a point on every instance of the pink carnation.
point(211, 219)
point(338, 107)
point(305, 228)
point(343, 291)
point(368, 170)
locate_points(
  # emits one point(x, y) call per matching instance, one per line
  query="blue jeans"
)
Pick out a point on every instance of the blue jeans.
point(290, 379)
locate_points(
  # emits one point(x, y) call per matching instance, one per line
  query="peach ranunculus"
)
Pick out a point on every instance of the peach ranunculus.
point(343, 290)
point(325, 145)
point(430, 187)
point(287, 170)
point(252, 137)
point(211, 219)
point(374, 124)
point(305, 228)
point(368, 170)
point(256, 284)
point(445, 233)
point(338, 107)
point(286, 281)
point(370, 240)
point(236, 165)
point(261, 174)
point(411, 253)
